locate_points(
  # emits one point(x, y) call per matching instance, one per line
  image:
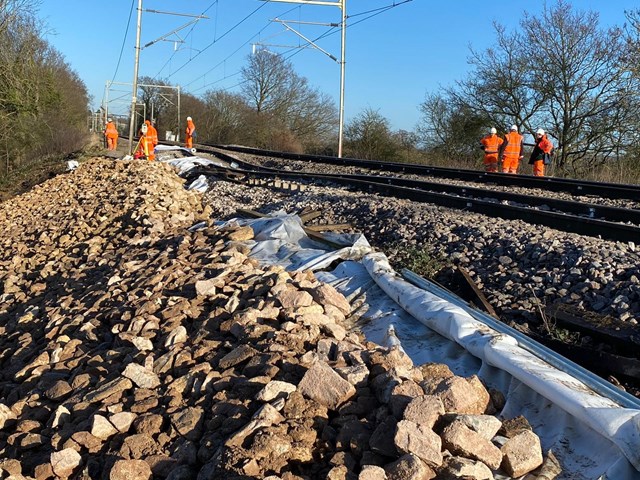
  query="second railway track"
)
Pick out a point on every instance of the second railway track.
point(591, 219)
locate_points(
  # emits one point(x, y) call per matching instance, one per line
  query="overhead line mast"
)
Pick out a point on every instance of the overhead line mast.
point(342, 4)
point(134, 96)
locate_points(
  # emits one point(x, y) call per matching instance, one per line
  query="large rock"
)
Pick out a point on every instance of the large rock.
point(322, 384)
point(522, 454)
point(409, 467)
point(420, 441)
point(461, 440)
point(65, 462)
point(130, 470)
point(141, 376)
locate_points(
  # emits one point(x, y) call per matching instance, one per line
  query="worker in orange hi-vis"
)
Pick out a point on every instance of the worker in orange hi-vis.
point(542, 153)
point(512, 152)
point(491, 146)
point(190, 132)
point(145, 148)
point(152, 138)
point(111, 133)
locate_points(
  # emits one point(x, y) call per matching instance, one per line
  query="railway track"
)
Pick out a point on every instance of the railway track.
point(572, 186)
point(591, 219)
point(604, 348)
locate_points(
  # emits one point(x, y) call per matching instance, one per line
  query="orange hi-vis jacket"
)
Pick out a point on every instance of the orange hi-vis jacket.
point(190, 128)
point(513, 146)
point(152, 133)
point(491, 145)
point(111, 131)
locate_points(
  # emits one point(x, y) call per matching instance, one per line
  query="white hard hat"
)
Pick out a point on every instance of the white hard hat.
point(514, 127)
point(493, 130)
point(540, 132)
point(188, 118)
point(109, 120)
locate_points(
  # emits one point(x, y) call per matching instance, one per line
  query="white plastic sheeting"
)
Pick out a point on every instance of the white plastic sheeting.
point(186, 163)
point(590, 434)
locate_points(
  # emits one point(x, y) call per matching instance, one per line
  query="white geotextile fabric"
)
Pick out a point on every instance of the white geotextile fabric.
point(187, 163)
point(591, 436)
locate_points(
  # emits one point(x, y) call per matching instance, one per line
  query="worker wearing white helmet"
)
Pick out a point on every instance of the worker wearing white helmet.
point(190, 133)
point(491, 146)
point(542, 153)
point(512, 152)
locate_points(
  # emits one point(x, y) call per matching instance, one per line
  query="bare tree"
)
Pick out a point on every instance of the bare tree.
point(284, 100)
point(40, 96)
point(560, 71)
point(369, 136)
point(591, 99)
point(450, 127)
point(226, 117)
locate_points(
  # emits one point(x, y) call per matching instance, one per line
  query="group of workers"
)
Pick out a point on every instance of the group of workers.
point(148, 138)
point(510, 150)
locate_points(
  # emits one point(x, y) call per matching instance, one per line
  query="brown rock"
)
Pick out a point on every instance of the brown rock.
point(460, 396)
point(130, 470)
point(420, 441)
point(409, 467)
point(188, 422)
point(236, 356)
point(372, 472)
point(459, 467)
point(514, 426)
point(325, 294)
point(461, 440)
point(65, 462)
point(150, 423)
point(322, 384)
point(424, 410)
point(58, 391)
point(521, 454)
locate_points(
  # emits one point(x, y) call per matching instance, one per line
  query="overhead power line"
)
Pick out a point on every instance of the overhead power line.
point(124, 40)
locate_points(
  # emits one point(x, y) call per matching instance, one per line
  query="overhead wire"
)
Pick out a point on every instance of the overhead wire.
point(124, 40)
point(188, 33)
point(296, 50)
point(331, 31)
point(234, 52)
point(219, 38)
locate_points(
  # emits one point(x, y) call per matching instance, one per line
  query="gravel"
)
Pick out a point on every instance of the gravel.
point(518, 265)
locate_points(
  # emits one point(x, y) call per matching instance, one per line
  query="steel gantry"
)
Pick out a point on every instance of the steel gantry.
point(342, 4)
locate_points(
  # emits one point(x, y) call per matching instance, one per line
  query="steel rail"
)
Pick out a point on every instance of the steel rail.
point(590, 210)
point(573, 186)
point(564, 222)
point(594, 382)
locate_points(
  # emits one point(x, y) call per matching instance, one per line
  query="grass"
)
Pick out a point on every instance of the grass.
point(420, 261)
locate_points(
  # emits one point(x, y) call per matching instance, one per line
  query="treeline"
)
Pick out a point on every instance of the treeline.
point(560, 70)
point(43, 103)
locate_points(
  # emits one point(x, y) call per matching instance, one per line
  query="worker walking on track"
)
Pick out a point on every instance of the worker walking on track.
point(190, 133)
point(512, 152)
point(491, 146)
point(541, 154)
point(111, 134)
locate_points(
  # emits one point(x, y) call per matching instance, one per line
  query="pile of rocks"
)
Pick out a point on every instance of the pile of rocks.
point(132, 346)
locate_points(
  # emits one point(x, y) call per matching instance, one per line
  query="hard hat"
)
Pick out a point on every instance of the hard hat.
point(540, 132)
point(493, 130)
point(188, 118)
point(109, 120)
point(514, 127)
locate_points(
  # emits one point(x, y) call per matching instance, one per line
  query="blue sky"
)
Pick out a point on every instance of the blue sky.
point(393, 58)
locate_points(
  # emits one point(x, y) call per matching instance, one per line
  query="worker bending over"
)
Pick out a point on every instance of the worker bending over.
point(190, 133)
point(111, 134)
point(491, 146)
point(512, 152)
point(145, 149)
